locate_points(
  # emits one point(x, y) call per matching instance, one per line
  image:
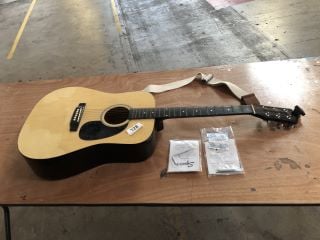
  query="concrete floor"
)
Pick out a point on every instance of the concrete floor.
point(81, 38)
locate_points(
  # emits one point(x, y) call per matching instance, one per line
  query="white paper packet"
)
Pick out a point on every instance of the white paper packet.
point(184, 156)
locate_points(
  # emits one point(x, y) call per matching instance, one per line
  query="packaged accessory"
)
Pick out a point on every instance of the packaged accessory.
point(221, 151)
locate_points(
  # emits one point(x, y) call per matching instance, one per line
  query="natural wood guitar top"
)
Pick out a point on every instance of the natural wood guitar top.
point(281, 166)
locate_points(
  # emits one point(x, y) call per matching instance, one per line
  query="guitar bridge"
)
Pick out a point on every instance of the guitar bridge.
point(76, 117)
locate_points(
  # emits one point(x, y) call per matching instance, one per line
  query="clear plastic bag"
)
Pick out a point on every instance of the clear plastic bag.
point(221, 151)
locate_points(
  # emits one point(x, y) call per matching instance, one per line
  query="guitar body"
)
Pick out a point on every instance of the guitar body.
point(54, 151)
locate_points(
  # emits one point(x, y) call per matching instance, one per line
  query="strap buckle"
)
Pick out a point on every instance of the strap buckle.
point(204, 78)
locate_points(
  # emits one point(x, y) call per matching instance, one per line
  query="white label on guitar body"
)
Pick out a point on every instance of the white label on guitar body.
point(134, 128)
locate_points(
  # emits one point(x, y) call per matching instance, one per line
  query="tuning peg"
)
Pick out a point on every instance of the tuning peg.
point(288, 126)
point(298, 111)
point(272, 125)
point(279, 125)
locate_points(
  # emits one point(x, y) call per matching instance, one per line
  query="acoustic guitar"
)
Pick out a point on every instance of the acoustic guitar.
point(73, 129)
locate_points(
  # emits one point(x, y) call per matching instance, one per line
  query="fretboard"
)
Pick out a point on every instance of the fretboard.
point(187, 112)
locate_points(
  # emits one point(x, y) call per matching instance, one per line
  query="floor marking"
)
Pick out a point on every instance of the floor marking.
point(22, 27)
point(116, 16)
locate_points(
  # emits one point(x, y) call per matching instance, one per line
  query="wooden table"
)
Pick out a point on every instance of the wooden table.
point(281, 166)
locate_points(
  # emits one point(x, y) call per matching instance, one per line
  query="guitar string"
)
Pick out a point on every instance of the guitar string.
point(124, 113)
point(91, 113)
point(186, 107)
point(147, 109)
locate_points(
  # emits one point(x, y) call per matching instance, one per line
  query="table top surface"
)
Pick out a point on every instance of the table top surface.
point(281, 166)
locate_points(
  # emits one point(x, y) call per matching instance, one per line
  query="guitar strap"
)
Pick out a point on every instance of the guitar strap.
point(243, 96)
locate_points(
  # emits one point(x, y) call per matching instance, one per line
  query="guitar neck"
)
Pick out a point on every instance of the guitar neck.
point(187, 112)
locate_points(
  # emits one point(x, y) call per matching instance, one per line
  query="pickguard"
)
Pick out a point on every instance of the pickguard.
point(95, 130)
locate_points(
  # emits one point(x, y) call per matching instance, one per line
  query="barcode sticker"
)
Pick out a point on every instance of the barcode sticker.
point(134, 128)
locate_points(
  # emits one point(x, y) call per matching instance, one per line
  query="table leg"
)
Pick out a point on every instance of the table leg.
point(6, 214)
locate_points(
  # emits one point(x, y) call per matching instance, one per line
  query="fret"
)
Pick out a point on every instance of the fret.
point(171, 112)
point(131, 114)
point(223, 110)
point(166, 112)
point(199, 112)
point(135, 113)
point(216, 110)
point(211, 110)
point(187, 111)
point(183, 111)
point(237, 109)
point(226, 110)
point(247, 109)
point(152, 114)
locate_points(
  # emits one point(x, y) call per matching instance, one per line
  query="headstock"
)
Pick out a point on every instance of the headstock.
point(285, 116)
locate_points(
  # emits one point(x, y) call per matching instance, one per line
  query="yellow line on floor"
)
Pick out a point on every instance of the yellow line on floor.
point(22, 27)
point(116, 16)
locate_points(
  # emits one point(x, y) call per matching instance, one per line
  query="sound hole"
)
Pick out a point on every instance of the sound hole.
point(116, 115)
